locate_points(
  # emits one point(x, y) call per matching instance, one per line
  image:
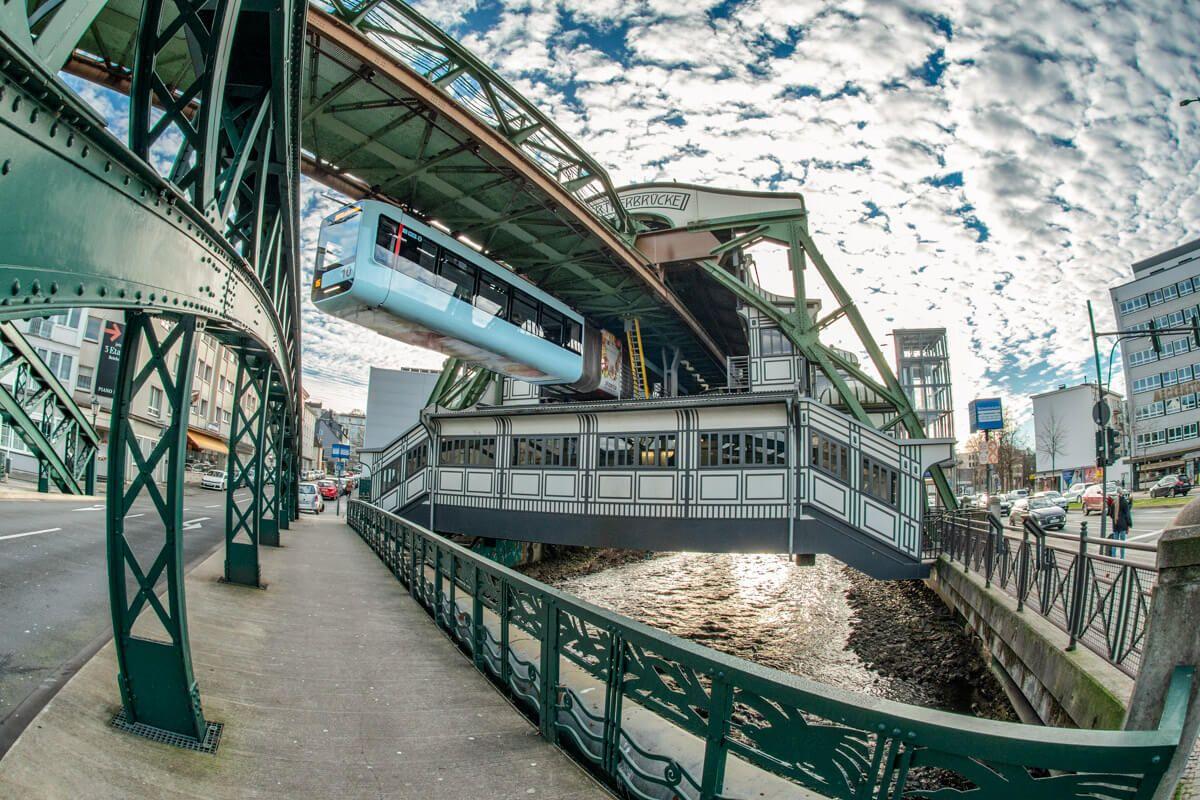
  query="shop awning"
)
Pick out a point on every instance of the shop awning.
point(202, 441)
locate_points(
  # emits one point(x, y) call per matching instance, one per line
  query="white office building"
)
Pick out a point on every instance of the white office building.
point(1065, 436)
point(1162, 387)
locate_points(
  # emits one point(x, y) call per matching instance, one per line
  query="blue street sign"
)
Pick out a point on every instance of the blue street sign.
point(986, 414)
point(1068, 477)
point(340, 451)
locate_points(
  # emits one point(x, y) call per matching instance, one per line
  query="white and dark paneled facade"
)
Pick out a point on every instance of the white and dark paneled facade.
point(755, 472)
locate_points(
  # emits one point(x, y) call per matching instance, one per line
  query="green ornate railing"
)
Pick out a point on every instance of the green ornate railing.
point(661, 717)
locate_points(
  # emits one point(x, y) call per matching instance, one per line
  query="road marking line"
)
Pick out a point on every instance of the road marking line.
point(89, 508)
point(193, 524)
point(1144, 535)
point(29, 533)
point(214, 505)
point(131, 516)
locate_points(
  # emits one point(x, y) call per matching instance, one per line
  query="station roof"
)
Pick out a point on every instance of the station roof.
point(395, 109)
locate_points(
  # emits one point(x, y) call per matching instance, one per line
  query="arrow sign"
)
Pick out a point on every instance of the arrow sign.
point(193, 524)
point(113, 332)
point(110, 359)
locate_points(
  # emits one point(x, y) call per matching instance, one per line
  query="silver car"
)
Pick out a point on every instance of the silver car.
point(1046, 513)
point(1058, 499)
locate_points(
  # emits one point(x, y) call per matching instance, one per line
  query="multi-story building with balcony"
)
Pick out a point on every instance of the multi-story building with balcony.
point(1162, 387)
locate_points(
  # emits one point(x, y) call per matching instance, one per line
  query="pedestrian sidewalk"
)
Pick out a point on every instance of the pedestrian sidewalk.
point(17, 489)
point(330, 683)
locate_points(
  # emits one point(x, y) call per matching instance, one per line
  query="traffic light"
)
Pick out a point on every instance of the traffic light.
point(1101, 447)
point(1114, 445)
point(1155, 341)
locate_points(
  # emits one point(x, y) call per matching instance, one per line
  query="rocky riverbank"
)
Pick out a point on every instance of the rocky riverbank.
point(560, 562)
point(903, 631)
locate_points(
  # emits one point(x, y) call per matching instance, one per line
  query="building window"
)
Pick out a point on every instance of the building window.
point(1185, 287)
point(1142, 357)
point(91, 331)
point(1147, 384)
point(468, 451)
point(415, 460)
point(41, 326)
point(83, 379)
point(545, 451)
point(1133, 304)
point(831, 456)
point(154, 406)
point(772, 342)
point(208, 373)
point(880, 481)
point(751, 448)
point(204, 408)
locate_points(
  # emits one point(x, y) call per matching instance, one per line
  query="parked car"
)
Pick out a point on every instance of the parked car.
point(1171, 486)
point(1045, 512)
point(213, 479)
point(1058, 499)
point(1093, 497)
point(328, 489)
point(310, 498)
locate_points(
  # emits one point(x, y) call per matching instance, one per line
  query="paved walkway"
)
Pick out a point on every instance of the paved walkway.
point(331, 683)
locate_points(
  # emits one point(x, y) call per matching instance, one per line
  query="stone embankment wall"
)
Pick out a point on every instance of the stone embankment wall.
point(1044, 681)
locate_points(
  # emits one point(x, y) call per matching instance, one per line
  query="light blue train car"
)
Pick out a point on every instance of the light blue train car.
point(386, 271)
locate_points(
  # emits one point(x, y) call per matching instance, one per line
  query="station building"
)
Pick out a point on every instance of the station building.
point(1163, 389)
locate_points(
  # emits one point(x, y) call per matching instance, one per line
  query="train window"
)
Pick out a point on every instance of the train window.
point(460, 276)
point(552, 326)
point(525, 313)
point(574, 336)
point(493, 296)
point(385, 237)
point(419, 251)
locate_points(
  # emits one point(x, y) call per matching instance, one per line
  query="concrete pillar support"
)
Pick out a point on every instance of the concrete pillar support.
point(1171, 638)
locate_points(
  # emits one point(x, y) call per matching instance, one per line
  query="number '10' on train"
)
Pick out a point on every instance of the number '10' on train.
point(383, 269)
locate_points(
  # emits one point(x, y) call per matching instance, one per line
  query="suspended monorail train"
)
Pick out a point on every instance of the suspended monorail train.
point(389, 272)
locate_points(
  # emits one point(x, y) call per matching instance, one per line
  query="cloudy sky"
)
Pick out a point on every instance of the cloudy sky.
point(983, 166)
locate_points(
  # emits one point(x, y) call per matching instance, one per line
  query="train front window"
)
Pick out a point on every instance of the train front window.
point(338, 241)
point(406, 251)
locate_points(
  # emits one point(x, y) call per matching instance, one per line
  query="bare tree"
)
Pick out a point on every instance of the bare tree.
point(1052, 440)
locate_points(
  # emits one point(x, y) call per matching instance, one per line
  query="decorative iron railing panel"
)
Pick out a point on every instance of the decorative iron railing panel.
point(660, 717)
point(1086, 586)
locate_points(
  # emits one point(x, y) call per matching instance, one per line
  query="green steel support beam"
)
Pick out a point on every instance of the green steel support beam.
point(243, 516)
point(158, 687)
point(272, 447)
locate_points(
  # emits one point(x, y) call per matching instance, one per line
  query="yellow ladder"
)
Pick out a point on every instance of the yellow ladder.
point(637, 359)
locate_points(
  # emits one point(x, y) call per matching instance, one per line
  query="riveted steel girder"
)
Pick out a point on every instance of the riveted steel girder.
point(247, 432)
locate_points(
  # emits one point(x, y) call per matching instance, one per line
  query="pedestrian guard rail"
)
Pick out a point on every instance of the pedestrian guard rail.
point(1094, 589)
point(661, 717)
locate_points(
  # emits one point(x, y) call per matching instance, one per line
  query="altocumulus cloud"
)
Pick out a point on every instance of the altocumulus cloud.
point(984, 166)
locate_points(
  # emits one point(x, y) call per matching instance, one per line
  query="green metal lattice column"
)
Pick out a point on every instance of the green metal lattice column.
point(272, 480)
point(287, 470)
point(158, 687)
point(243, 515)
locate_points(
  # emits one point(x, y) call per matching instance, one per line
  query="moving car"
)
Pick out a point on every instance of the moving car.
point(328, 489)
point(1093, 497)
point(1075, 492)
point(1058, 499)
point(213, 479)
point(310, 498)
point(1007, 500)
point(1171, 486)
point(1045, 512)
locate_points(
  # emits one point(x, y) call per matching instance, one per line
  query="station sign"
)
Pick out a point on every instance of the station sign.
point(339, 451)
point(112, 337)
point(986, 414)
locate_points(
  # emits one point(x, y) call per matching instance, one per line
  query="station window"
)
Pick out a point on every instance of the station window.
point(772, 342)
point(416, 459)
point(880, 481)
point(617, 451)
point(831, 456)
point(739, 449)
point(653, 450)
point(468, 451)
point(545, 451)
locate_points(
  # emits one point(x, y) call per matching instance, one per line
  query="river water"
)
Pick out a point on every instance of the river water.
point(895, 642)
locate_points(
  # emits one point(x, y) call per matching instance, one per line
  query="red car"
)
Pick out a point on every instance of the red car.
point(328, 489)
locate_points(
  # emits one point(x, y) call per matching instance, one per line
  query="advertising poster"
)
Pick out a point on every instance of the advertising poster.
point(610, 364)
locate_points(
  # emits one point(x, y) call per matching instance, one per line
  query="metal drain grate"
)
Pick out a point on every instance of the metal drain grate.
point(212, 735)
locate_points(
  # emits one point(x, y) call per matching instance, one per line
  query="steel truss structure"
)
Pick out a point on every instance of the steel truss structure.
point(209, 244)
point(45, 417)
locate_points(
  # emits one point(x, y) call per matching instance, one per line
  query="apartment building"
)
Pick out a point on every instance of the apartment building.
point(82, 348)
point(1162, 388)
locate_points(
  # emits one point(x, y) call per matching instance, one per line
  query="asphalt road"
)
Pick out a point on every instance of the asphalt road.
point(1148, 524)
point(54, 589)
